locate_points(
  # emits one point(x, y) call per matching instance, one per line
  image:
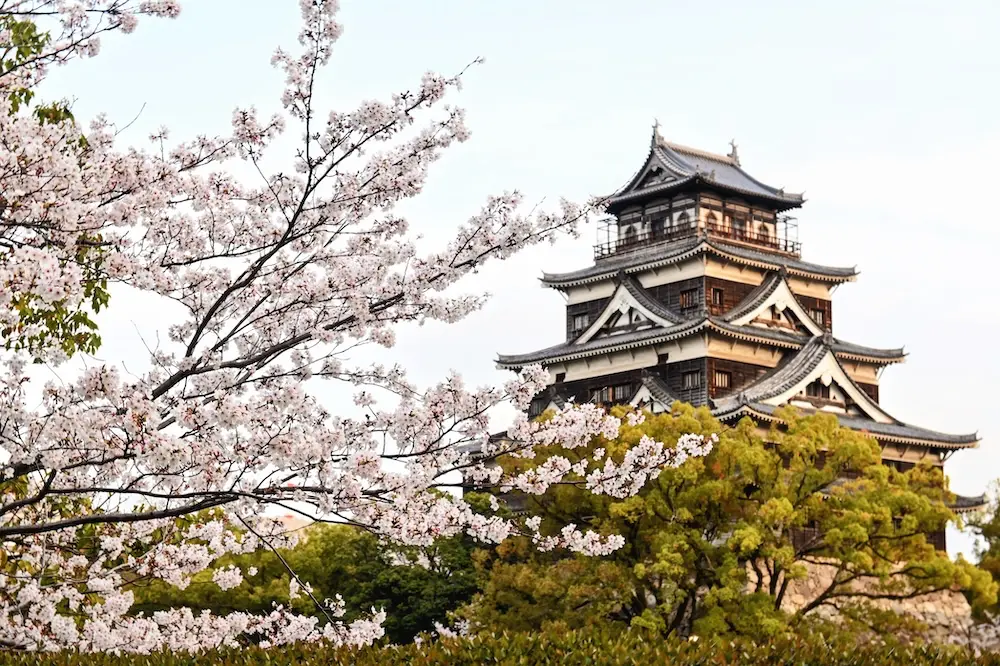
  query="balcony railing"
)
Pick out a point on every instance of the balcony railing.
point(742, 236)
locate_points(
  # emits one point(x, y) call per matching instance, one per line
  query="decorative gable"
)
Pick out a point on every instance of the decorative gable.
point(777, 307)
point(827, 381)
point(625, 313)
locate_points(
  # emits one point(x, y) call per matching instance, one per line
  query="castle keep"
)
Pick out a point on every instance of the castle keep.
point(698, 292)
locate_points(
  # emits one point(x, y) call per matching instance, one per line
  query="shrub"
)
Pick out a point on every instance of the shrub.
point(567, 648)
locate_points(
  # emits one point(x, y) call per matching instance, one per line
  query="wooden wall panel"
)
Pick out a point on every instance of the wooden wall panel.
point(743, 374)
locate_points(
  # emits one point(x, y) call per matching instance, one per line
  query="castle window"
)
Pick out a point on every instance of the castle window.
point(600, 395)
point(723, 379)
point(819, 316)
point(580, 322)
point(657, 226)
point(717, 296)
point(560, 377)
point(689, 298)
point(661, 359)
point(818, 390)
point(622, 393)
point(682, 221)
point(691, 380)
point(631, 236)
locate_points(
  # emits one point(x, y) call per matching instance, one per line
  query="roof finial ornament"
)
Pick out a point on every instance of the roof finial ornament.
point(733, 154)
point(656, 131)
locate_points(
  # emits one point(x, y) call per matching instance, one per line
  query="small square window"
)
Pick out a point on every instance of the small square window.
point(560, 377)
point(717, 296)
point(819, 316)
point(622, 393)
point(662, 359)
point(691, 380)
point(580, 322)
point(689, 298)
point(723, 379)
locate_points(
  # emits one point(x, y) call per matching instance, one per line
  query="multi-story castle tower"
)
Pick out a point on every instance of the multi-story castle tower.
point(699, 294)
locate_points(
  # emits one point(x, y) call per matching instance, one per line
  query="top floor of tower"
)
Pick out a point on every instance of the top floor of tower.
point(682, 192)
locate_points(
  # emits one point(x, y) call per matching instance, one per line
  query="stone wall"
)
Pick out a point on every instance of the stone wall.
point(946, 614)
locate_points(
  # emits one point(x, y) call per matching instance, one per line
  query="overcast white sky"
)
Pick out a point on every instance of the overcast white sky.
point(887, 114)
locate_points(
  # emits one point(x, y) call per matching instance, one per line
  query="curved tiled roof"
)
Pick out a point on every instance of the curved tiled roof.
point(792, 339)
point(647, 301)
point(673, 252)
point(965, 504)
point(760, 294)
point(890, 432)
point(658, 389)
point(566, 351)
point(689, 164)
point(788, 374)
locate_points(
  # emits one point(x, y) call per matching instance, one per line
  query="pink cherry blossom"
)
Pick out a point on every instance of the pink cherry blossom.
point(276, 278)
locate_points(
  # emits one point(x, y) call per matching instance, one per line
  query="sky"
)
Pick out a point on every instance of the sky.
point(886, 114)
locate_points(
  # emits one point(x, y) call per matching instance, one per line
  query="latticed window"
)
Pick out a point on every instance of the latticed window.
point(819, 316)
point(691, 380)
point(723, 379)
point(600, 395)
point(689, 298)
point(717, 296)
point(580, 322)
point(622, 393)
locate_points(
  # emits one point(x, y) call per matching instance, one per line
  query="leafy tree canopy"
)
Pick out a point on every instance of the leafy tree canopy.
point(716, 545)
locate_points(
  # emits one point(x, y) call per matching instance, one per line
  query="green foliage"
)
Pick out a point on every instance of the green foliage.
point(337, 559)
point(987, 526)
point(716, 546)
point(562, 648)
point(69, 328)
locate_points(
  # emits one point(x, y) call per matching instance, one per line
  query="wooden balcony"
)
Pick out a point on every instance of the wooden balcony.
point(729, 234)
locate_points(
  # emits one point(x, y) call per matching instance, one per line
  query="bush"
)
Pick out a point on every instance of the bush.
point(573, 647)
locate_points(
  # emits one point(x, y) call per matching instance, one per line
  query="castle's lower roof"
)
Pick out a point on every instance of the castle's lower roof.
point(570, 350)
point(898, 432)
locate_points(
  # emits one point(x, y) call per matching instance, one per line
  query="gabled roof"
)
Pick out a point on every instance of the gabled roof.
point(670, 166)
point(896, 432)
point(647, 301)
point(658, 389)
point(779, 295)
point(757, 297)
point(815, 360)
point(630, 297)
point(676, 252)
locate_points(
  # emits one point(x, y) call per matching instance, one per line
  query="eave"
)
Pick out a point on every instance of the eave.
point(682, 251)
point(760, 412)
point(565, 352)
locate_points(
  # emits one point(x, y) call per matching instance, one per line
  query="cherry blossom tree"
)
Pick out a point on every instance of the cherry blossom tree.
point(111, 477)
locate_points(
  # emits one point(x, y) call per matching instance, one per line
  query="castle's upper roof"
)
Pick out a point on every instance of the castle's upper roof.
point(675, 252)
point(670, 167)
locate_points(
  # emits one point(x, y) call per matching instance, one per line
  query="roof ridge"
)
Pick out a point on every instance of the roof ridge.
point(757, 295)
point(680, 148)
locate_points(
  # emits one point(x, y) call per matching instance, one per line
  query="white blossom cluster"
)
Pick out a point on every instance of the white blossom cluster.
point(108, 474)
